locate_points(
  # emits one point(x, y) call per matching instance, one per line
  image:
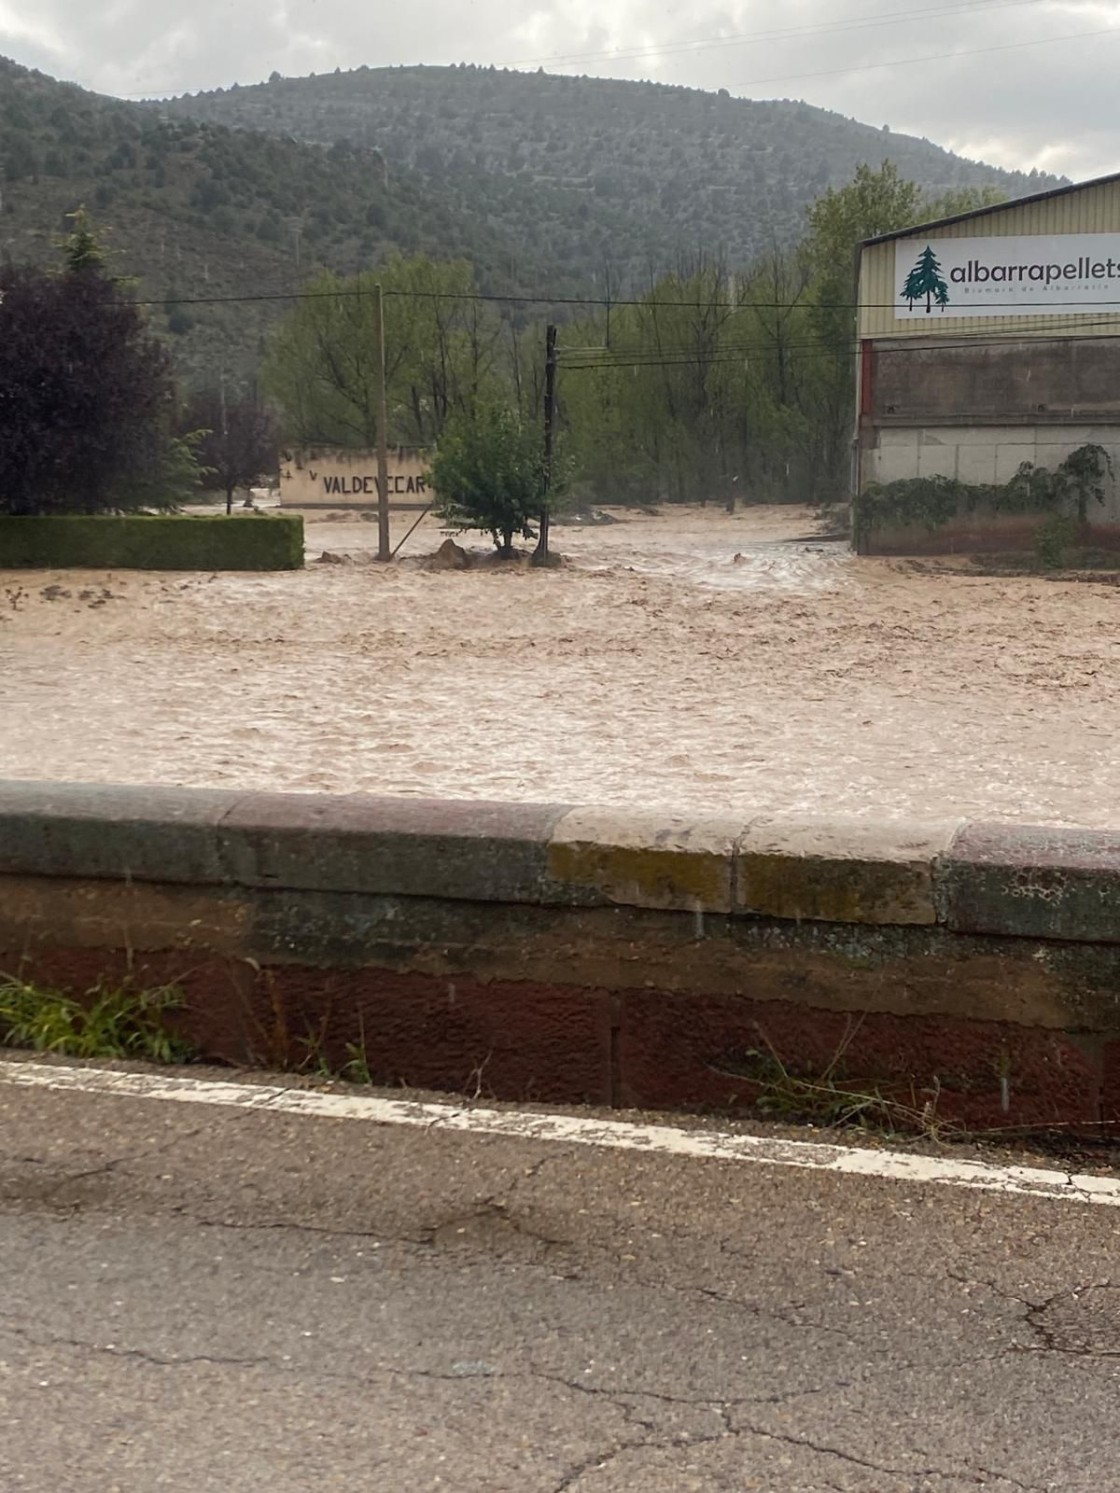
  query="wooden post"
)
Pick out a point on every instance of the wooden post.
point(540, 555)
point(225, 440)
point(384, 545)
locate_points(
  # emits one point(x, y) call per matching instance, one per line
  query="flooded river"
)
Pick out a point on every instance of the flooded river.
point(694, 660)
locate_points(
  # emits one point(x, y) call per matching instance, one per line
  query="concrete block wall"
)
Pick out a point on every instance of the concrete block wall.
point(550, 952)
point(984, 454)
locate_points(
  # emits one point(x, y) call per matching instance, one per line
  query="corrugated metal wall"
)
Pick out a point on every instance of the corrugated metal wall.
point(1094, 208)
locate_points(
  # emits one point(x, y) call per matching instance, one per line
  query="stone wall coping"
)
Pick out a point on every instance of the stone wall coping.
point(968, 876)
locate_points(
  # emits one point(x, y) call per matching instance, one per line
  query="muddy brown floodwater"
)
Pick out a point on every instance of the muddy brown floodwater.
point(655, 669)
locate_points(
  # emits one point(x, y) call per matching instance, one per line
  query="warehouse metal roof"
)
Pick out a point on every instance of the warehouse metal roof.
point(917, 229)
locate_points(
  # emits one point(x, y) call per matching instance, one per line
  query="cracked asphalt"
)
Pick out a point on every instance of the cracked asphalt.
point(202, 1299)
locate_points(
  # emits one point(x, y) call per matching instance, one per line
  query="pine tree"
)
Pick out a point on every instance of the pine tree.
point(925, 280)
point(912, 291)
point(81, 249)
point(86, 393)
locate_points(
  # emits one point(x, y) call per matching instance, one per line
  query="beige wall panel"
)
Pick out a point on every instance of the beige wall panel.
point(1094, 208)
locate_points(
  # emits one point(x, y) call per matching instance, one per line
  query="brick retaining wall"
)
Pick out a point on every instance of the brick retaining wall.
point(554, 953)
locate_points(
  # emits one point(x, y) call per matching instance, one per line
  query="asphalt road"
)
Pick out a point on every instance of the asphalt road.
point(200, 1299)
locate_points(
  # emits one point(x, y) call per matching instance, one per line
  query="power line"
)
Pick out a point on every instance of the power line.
point(887, 18)
point(775, 347)
point(675, 357)
point(870, 67)
point(350, 294)
point(606, 303)
point(1064, 329)
point(805, 351)
point(624, 54)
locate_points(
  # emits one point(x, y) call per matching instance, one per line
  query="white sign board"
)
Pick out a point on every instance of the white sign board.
point(322, 477)
point(1038, 275)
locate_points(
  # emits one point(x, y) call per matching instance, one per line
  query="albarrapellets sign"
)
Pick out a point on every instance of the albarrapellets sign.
point(1059, 275)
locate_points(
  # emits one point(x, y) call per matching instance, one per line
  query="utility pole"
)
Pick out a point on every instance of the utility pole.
point(225, 439)
point(384, 546)
point(540, 555)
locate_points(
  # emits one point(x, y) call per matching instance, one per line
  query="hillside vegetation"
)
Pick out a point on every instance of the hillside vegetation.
point(221, 206)
point(602, 178)
point(196, 211)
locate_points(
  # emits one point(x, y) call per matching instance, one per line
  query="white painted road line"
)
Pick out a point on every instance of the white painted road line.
point(619, 1135)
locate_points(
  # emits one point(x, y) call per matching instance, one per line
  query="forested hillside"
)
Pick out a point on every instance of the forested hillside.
point(566, 186)
point(198, 212)
point(604, 177)
point(697, 248)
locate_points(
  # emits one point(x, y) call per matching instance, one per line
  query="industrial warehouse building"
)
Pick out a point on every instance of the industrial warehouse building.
point(988, 340)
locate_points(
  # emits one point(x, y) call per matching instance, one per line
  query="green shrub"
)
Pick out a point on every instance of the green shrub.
point(113, 1021)
point(1053, 538)
point(1081, 479)
point(928, 501)
point(489, 473)
point(152, 542)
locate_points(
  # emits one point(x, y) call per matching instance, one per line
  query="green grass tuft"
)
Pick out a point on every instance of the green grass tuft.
point(115, 1020)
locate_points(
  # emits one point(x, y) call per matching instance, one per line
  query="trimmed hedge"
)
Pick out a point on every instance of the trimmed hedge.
point(140, 541)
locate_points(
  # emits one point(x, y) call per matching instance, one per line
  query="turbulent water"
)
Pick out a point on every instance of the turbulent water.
point(695, 660)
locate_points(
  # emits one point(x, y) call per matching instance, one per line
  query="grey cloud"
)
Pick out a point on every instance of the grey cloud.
point(1048, 105)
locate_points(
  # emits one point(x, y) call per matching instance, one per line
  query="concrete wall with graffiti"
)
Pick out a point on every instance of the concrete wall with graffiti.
point(325, 477)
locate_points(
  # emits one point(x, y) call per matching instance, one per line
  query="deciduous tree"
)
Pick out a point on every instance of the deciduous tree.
point(488, 473)
point(442, 349)
point(238, 441)
point(873, 202)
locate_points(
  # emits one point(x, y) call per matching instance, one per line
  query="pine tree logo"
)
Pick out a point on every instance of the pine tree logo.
point(925, 280)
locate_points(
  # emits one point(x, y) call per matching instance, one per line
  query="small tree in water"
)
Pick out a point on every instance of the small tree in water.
point(489, 474)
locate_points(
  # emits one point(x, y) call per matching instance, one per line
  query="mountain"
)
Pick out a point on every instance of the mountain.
point(219, 205)
point(595, 175)
point(201, 215)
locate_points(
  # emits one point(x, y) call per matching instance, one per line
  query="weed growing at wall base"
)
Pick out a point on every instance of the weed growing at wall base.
point(114, 1020)
point(827, 1098)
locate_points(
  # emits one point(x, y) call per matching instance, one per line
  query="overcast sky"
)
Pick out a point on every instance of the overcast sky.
point(1019, 83)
